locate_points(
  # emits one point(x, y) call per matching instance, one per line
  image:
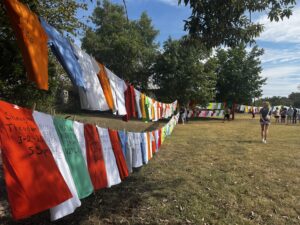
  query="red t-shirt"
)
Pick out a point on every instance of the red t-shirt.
point(94, 155)
point(117, 148)
point(33, 180)
point(153, 142)
point(159, 138)
point(130, 103)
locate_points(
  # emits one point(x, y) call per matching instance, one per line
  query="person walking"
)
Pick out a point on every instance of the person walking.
point(226, 114)
point(295, 116)
point(277, 115)
point(265, 120)
point(283, 115)
point(290, 113)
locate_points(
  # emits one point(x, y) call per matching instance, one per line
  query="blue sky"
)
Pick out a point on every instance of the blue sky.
point(281, 41)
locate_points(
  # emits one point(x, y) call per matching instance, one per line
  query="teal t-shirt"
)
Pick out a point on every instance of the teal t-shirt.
point(74, 156)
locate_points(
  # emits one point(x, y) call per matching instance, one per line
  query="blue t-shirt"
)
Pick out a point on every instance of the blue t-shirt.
point(123, 139)
point(63, 50)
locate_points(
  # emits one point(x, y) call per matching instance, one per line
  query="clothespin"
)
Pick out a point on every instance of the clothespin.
point(74, 117)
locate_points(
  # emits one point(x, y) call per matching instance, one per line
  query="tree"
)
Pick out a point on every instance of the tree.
point(238, 74)
point(14, 86)
point(275, 101)
point(183, 72)
point(228, 22)
point(295, 99)
point(126, 47)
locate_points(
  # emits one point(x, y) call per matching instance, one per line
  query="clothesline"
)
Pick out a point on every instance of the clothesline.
point(99, 88)
point(51, 163)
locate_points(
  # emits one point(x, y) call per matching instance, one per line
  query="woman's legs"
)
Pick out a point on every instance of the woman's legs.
point(262, 132)
point(266, 130)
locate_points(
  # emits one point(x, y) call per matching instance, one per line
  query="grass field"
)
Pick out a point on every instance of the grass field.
point(206, 173)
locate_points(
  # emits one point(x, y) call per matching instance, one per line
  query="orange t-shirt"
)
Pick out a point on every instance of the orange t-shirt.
point(33, 180)
point(32, 40)
point(94, 155)
point(102, 76)
point(149, 146)
point(117, 148)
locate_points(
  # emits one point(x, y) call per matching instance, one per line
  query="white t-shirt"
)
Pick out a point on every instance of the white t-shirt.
point(134, 144)
point(128, 156)
point(118, 87)
point(156, 139)
point(138, 102)
point(79, 133)
point(48, 132)
point(155, 111)
point(112, 171)
point(93, 97)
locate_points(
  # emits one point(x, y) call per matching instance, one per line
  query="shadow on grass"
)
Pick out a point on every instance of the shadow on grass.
point(105, 206)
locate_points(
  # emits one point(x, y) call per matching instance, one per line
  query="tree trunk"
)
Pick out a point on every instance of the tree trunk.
point(233, 110)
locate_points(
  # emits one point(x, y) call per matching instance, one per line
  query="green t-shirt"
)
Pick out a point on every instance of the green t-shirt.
point(147, 105)
point(74, 157)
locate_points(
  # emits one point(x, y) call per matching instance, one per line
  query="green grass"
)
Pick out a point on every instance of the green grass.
point(207, 172)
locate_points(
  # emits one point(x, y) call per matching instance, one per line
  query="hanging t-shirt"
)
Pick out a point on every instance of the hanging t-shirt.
point(130, 103)
point(159, 138)
point(64, 53)
point(149, 146)
point(123, 140)
point(47, 129)
point(73, 154)
point(156, 132)
point(92, 97)
point(118, 87)
point(33, 181)
point(143, 106)
point(104, 81)
point(134, 145)
point(128, 156)
point(155, 110)
point(153, 142)
point(116, 145)
point(78, 129)
point(147, 108)
point(32, 41)
point(138, 103)
point(95, 159)
point(112, 171)
point(144, 148)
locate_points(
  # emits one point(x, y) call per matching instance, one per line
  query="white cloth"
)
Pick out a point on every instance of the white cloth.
point(93, 97)
point(112, 171)
point(128, 156)
point(146, 147)
point(48, 132)
point(138, 103)
point(134, 143)
point(118, 87)
point(79, 133)
point(155, 111)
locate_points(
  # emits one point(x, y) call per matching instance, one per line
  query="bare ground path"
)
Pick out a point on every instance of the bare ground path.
point(207, 172)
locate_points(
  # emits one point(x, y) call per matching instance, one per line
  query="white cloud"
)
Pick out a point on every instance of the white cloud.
point(170, 2)
point(287, 30)
point(275, 56)
point(282, 80)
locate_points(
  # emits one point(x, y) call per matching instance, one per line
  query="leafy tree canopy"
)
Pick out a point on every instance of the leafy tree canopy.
point(126, 47)
point(183, 72)
point(228, 22)
point(14, 85)
point(238, 74)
